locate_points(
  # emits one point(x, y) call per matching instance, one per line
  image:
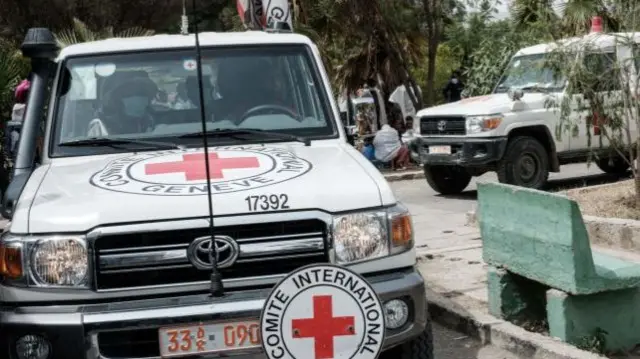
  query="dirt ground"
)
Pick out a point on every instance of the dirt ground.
point(611, 201)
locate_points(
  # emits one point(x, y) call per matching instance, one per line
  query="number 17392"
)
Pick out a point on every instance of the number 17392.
point(267, 202)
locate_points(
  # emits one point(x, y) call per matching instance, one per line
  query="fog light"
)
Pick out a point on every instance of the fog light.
point(396, 313)
point(32, 347)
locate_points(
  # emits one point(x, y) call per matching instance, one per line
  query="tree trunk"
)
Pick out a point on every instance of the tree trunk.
point(433, 13)
point(431, 70)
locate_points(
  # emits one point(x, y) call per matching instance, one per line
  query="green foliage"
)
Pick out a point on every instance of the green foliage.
point(500, 41)
point(80, 32)
point(13, 69)
point(447, 60)
point(600, 99)
point(600, 92)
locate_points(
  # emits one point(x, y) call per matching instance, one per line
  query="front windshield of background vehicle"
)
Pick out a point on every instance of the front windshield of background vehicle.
point(154, 96)
point(530, 72)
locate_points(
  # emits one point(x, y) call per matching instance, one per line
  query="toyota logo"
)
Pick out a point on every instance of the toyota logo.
point(442, 125)
point(200, 251)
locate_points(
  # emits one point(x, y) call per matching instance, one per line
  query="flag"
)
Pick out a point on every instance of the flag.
point(251, 13)
point(258, 14)
point(277, 10)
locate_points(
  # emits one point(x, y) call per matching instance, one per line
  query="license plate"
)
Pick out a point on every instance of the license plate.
point(440, 149)
point(206, 338)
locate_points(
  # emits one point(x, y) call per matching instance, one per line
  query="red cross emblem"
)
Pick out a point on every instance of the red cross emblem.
point(190, 64)
point(323, 327)
point(194, 169)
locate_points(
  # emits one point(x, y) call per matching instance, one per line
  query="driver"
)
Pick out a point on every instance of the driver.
point(245, 83)
point(126, 109)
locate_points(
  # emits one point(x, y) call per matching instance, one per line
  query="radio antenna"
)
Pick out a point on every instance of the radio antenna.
point(216, 288)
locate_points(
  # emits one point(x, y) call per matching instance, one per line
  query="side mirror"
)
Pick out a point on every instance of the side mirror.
point(13, 193)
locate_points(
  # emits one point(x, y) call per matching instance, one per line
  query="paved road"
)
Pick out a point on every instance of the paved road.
point(440, 220)
point(440, 223)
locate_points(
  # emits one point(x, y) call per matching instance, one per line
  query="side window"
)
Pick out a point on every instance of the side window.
point(313, 90)
point(602, 71)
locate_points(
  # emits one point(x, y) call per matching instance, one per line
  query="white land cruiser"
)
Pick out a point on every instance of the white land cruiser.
point(512, 132)
point(107, 251)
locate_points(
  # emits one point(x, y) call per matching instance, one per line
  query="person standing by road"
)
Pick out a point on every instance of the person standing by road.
point(453, 90)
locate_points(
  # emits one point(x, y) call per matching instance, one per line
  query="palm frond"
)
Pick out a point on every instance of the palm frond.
point(13, 68)
point(80, 32)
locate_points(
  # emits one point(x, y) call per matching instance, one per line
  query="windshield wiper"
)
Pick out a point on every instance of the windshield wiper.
point(249, 131)
point(111, 142)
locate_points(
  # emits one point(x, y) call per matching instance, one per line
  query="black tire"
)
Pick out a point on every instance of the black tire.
point(420, 347)
point(447, 179)
point(616, 165)
point(525, 163)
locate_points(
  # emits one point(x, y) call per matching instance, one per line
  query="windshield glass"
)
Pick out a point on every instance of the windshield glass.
point(155, 96)
point(530, 72)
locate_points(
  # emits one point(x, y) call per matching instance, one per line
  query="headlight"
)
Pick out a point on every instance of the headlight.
point(47, 261)
point(368, 235)
point(60, 262)
point(477, 124)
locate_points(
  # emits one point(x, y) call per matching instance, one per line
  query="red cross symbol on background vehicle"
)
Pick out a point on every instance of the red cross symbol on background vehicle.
point(322, 312)
point(194, 169)
point(323, 327)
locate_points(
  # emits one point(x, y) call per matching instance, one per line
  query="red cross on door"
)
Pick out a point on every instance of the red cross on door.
point(323, 327)
point(194, 169)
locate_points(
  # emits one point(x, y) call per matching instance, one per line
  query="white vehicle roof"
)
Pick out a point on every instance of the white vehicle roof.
point(600, 40)
point(163, 42)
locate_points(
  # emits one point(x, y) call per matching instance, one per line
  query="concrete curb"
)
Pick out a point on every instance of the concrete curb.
point(404, 176)
point(499, 333)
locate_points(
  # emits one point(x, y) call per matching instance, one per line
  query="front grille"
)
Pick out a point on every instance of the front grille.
point(442, 125)
point(160, 258)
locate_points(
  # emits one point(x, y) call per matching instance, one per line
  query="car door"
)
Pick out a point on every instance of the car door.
point(605, 63)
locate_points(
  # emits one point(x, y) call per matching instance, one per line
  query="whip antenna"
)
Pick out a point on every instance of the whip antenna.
point(216, 289)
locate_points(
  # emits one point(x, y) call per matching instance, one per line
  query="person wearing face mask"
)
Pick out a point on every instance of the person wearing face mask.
point(126, 110)
point(453, 90)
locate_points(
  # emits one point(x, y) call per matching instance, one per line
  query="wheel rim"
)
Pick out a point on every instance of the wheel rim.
point(528, 167)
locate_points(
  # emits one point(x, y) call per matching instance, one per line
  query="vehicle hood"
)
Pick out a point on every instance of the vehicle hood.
point(78, 194)
point(485, 105)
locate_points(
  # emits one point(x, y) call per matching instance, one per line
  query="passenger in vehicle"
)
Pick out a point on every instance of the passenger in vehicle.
point(193, 94)
point(182, 98)
point(126, 109)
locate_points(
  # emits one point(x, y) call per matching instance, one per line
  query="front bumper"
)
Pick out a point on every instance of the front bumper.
point(74, 331)
point(465, 151)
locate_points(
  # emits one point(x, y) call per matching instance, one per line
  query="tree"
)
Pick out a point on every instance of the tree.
point(19, 15)
point(80, 32)
point(364, 39)
point(601, 100)
point(13, 68)
point(436, 14)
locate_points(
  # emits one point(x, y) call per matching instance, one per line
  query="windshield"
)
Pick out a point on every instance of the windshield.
point(154, 96)
point(530, 73)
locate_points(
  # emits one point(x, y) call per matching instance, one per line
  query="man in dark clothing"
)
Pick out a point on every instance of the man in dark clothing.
point(453, 90)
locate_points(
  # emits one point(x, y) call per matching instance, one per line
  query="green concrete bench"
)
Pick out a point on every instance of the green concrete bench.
point(537, 241)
